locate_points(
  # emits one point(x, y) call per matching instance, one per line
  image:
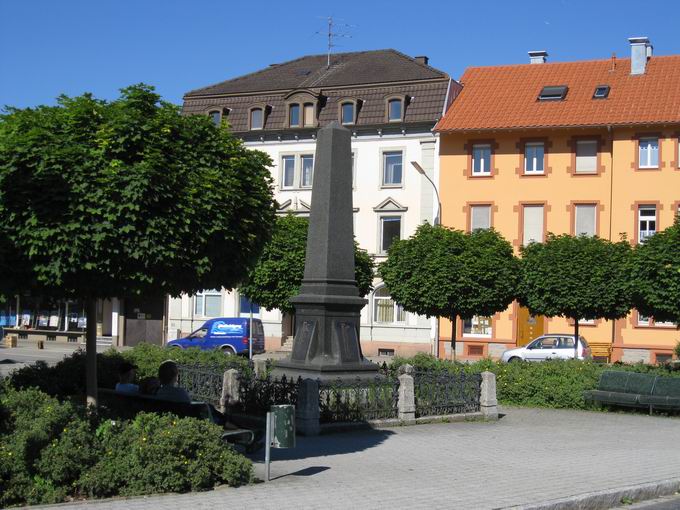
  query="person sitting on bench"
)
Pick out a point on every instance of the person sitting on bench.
point(167, 375)
point(126, 377)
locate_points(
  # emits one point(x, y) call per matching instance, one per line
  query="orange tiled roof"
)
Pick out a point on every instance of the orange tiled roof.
point(504, 97)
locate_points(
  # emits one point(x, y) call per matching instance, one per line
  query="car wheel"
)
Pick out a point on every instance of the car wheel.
point(514, 359)
point(228, 350)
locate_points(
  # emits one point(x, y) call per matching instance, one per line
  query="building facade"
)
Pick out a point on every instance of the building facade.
point(390, 102)
point(585, 148)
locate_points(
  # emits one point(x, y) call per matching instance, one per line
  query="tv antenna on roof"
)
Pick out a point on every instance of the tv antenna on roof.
point(330, 33)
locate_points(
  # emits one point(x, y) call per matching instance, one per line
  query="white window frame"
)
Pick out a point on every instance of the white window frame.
point(576, 157)
point(384, 153)
point(297, 170)
point(531, 169)
point(397, 310)
point(525, 241)
point(247, 314)
point(576, 210)
point(381, 219)
point(647, 164)
point(200, 297)
point(342, 114)
point(643, 235)
point(476, 319)
point(401, 109)
point(472, 216)
point(300, 112)
point(250, 118)
point(483, 171)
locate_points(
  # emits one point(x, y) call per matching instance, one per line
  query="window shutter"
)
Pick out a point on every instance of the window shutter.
point(585, 220)
point(586, 156)
point(533, 224)
point(480, 217)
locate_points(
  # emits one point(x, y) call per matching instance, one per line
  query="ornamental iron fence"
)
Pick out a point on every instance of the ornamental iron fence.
point(440, 393)
point(258, 394)
point(204, 382)
point(358, 400)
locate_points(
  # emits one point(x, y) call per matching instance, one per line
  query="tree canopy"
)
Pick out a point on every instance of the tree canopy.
point(279, 271)
point(576, 278)
point(442, 272)
point(128, 197)
point(656, 275)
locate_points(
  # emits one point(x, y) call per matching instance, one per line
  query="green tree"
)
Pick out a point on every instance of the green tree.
point(578, 278)
point(656, 275)
point(441, 272)
point(278, 273)
point(126, 198)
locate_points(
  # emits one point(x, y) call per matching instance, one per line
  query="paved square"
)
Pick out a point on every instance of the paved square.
point(529, 456)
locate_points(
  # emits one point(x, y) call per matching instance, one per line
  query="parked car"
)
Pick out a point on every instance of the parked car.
point(230, 334)
point(553, 346)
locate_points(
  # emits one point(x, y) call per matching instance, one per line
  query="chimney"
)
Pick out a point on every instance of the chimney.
point(538, 57)
point(422, 59)
point(640, 53)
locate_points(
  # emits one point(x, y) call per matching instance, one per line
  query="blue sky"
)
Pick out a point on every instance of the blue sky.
point(49, 47)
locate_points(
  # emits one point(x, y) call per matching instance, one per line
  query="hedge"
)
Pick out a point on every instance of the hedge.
point(51, 451)
point(554, 383)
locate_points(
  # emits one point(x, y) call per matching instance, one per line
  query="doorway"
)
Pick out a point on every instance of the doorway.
point(528, 326)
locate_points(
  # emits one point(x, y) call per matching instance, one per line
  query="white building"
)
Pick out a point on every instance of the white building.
point(390, 102)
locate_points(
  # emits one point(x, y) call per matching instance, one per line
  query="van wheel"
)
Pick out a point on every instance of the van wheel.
point(228, 350)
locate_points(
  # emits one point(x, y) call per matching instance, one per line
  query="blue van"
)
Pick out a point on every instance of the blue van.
point(230, 334)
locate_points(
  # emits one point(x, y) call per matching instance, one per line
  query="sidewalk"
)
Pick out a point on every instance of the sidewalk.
point(530, 456)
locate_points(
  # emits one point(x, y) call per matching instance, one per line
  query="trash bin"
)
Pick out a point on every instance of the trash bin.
point(283, 425)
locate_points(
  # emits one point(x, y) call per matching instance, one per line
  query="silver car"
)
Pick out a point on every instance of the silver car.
point(553, 346)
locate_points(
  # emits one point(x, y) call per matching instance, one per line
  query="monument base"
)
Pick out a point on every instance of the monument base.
point(363, 369)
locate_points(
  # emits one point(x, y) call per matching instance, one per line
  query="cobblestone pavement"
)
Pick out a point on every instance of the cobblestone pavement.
point(529, 456)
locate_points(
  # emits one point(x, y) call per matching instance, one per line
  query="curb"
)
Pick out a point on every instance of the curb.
point(606, 499)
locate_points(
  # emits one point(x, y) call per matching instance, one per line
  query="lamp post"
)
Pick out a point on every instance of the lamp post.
point(437, 221)
point(421, 171)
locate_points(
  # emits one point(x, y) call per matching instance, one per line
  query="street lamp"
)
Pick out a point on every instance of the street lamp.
point(421, 171)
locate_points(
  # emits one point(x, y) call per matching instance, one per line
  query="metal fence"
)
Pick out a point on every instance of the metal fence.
point(258, 394)
point(359, 400)
point(204, 382)
point(440, 393)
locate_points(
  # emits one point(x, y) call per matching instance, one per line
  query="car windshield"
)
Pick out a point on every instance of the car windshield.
point(199, 333)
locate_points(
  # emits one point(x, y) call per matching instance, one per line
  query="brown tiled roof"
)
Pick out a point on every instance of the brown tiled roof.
point(505, 97)
point(357, 68)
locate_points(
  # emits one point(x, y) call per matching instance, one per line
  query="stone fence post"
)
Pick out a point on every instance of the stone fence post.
point(307, 412)
point(230, 388)
point(488, 404)
point(260, 367)
point(406, 407)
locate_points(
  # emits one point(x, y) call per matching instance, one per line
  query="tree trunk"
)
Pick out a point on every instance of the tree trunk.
point(91, 351)
point(576, 338)
point(453, 336)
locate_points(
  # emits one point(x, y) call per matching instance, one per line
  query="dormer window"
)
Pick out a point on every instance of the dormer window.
point(553, 93)
point(216, 117)
point(309, 114)
point(347, 113)
point(294, 115)
point(395, 109)
point(601, 92)
point(256, 118)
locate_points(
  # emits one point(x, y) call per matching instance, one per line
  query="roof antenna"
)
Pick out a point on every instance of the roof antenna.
point(330, 34)
point(613, 67)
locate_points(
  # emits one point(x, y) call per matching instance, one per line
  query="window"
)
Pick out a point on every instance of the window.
point(256, 118)
point(309, 114)
point(643, 320)
point(390, 230)
point(649, 153)
point(347, 113)
point(477, 326)
point(481, 159)
point(297, 171)
point(661, 357)
point(584, 220)
point(480, 217)
point(646, 222)
point(208, 303)
point(533, 224)
point(216, 117)
point(601, 92)
point(294, 115)
point(394, 107)
point(586, 156)
point(392, 168)
point(245, 306)
point(475, 350)
point(385, 310)
point(553, 93)
point(534, 153)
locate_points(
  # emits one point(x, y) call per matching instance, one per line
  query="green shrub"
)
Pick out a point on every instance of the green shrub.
point(677, 351)
point(163, 453)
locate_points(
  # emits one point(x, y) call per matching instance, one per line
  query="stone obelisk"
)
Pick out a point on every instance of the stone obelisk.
point(328, 307)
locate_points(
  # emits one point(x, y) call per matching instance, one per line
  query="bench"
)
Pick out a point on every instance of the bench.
point(600, 351)
point(127, 406)
point(630, 389)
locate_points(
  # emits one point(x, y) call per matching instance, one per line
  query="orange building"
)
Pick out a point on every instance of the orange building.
point(579, 147)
